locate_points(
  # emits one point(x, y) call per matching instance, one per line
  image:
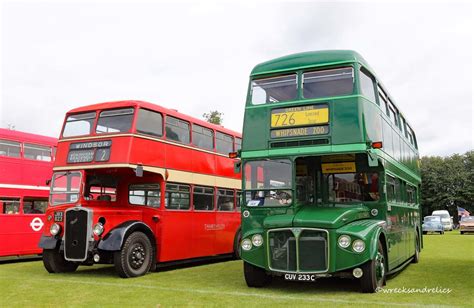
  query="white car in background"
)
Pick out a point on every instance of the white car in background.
point(446, 219)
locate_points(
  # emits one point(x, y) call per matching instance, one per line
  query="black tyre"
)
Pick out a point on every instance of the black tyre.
point(54, 262)
point(237, 239)
point(416, 256)
point(136, 257)
point(462, 232)
point(255, 277)
point(374, 272)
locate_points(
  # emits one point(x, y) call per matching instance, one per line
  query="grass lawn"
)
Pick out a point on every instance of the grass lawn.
point(447, 261)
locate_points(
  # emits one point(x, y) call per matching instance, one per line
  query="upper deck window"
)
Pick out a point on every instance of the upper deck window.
point(9, 148)
point(274, 89)
point(150, 122)
point(331, 82)
point(37, 152)
point(224, 143)
point(79, 124)
point(115, 121)
point(177, 130)
point(367, 85)
point(203, 137)
point(404, 126)
point(238, 143)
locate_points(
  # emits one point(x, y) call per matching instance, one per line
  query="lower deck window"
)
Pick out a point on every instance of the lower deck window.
point(145, 194)
point(35, 206)
point(177, 197)
point(10, 205)
point(225, 200)
point(203, 198)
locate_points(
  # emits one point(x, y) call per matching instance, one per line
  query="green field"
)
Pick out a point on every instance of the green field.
point(447, 261)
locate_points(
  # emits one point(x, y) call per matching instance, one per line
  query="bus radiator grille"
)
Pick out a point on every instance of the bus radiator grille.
point(76, 234)
point(309, 246)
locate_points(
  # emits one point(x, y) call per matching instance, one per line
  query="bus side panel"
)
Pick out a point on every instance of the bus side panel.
point(175, 239)
point(20, 233)
point(144, 150)
point(227, 224)
point(11, 170)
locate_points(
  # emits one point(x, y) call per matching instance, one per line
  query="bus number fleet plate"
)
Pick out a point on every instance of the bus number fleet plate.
point(300, 277)
point(300, 116)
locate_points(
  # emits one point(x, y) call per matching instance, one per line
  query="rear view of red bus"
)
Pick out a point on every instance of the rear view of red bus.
point(26, 163)
point(136, 184)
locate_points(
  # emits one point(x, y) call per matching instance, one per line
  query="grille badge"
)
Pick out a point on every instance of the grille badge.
point(296, 231)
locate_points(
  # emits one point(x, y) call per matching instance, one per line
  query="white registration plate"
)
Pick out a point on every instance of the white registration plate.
point(300, 277)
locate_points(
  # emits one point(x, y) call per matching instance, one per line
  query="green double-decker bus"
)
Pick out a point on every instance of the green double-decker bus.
point(330, 173)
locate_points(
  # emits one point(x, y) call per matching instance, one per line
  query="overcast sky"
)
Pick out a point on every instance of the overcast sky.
point(194, 58)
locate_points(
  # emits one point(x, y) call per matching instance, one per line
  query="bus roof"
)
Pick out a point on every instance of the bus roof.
point(27, 137)
point(308, 59)
point(142, 104)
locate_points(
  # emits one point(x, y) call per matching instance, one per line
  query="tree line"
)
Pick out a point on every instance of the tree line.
point(447, 183)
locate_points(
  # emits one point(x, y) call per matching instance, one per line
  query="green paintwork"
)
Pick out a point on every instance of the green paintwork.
point(354, 122)
point(329, 217)
point(309, 59)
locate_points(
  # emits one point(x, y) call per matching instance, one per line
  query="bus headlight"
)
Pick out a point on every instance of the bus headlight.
point(55, 229)
point(98, 229)
point(358, 246)
point(246, 244)
point(344, 241)
point(257, 240)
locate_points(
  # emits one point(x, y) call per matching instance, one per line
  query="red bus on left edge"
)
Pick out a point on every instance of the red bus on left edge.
point(26, 163)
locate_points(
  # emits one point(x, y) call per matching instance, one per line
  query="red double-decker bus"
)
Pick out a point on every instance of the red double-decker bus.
point(26, 164)
point(136, 184)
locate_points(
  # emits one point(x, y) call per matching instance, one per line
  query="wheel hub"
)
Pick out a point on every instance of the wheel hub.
point(137, 256)
point(379, 266)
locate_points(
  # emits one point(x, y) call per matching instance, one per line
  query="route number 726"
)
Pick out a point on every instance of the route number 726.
point(284, 119)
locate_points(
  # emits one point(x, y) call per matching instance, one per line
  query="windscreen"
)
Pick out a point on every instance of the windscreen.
point(353, 187)
point(65, 187)
point(268, 182)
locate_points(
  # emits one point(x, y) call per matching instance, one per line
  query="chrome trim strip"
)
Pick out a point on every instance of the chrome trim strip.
point(297, 237)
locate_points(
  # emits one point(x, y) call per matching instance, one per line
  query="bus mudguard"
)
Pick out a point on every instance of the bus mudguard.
point(114, 239)
point(367, 230)
point(48, 242)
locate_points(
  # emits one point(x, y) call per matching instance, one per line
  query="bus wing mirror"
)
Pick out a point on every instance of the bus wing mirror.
point(372, 159)
point(237, 166)
point(139, 171)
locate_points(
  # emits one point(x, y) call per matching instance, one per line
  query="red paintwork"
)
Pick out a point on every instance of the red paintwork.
point(179, 234)
point(17, 236)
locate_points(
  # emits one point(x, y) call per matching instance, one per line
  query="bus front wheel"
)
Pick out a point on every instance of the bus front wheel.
point(255, 277)
point(237, 239)
point(54, 262)
point(373, 277)
point(136, 256)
